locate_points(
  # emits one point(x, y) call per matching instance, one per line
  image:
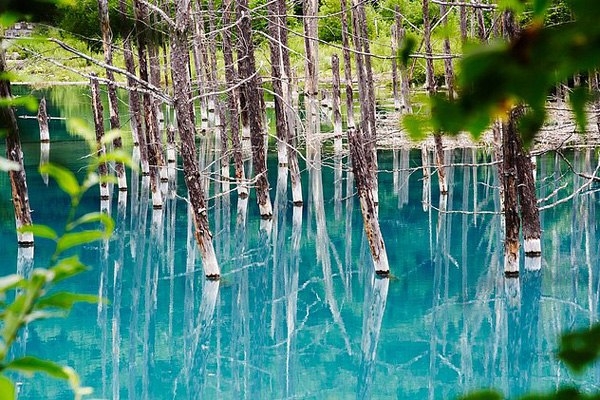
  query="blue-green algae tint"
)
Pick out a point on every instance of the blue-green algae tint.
point(298, 313)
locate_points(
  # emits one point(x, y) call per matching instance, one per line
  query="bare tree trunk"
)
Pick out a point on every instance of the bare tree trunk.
point(431, 88)
point(248, 73)
point(14, 153)
point(113, 102)
point(404, 75)
point(347, 67)
point(395, 85)
point(180, 62)
point(277, 71)
point(311, 80)
point(139, 139)
point(511, 213)
point(232, 98)
point(44, 137)
point(100, 149)
point(366, 92)
point(335, 103)
point(43, 121)
point(150, 117)
point(367, 203)
point(448, 69)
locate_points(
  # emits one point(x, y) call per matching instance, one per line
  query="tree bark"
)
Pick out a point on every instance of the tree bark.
point(511, 213)
point(139, 139)
point(14, 153)
point(335, 104)
point(100, 148)
point(311, 80)
point(113, 102)
point(150, 118)
point(232, 99)
point(431, 89)
point(367, 202)
point(44, 137)
point(180, 61)
point(347, 67)
point(404, 75)
point(252, 93)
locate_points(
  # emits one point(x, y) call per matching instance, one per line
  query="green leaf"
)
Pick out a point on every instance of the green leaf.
point(579, 349)
point(30, 365)
point(540, 7)
point(483, 395)
point(7, 389)
point(103, 218)
point(10, 282)
point(416, 126)
point(70, 240)
point(406, 49)
point(65, 300)
point(67, 268)
point(116, 156)
point(8, 18)
point(8, 165)
point(66, 179)
point(43, 231)
point(29, 102)
point(578, 99)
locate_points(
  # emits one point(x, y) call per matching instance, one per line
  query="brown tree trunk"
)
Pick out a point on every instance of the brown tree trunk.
point(252, 93)
point(112, 89)
point(14, 153)
point(347, 67)
point(180, 62)
point(100, 148)
point(431, 88)
point(137, 128)
point(335, 104)
point(404, 75)
point(511, 213)
point(311, 83)
point(150, 117)
point(278, 76)
point(232, 98)
point(367, 203)
point(448, 68)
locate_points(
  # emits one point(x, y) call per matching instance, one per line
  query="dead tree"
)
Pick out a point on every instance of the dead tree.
point(112, 89)
point(400, 34)
point(14, 153)
point(431, 89)
point(42, 118)
point(231, 79)
point(347, 67)
point(97, 111)
point(335, 104)
point(248, 74)
point(180, 62)
point(367, 202)
point(153, 142)
point(137, 128)
point(311, 77)
point(510, 179)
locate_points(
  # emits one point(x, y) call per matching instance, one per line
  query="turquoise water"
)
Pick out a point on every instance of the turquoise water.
point(298, 312)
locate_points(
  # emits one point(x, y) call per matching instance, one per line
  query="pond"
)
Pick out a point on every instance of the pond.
point(298, 312)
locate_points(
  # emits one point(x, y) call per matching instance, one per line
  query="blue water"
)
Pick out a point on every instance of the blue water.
point(298, 312)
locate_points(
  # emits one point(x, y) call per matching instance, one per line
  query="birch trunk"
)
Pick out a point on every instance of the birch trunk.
point(404, 74)
point(248, 73)
point(112, 89)
point(180, 62)
point(14, 153)
point(311, 80)
point(42, 118)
